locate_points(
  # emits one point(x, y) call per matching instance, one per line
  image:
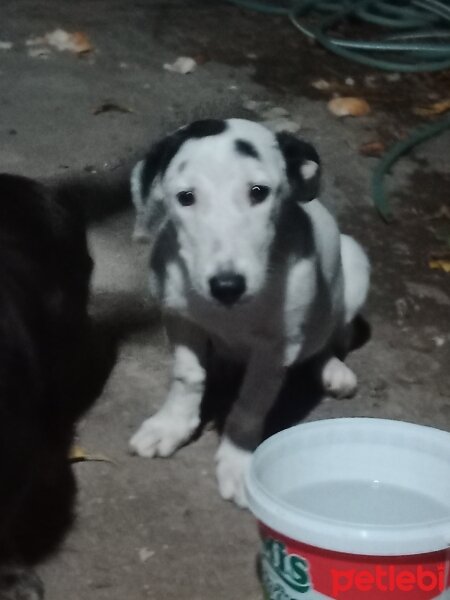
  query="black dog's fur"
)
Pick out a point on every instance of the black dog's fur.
point(49, 372)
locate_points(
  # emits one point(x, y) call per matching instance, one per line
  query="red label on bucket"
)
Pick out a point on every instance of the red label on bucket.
point(292, 570)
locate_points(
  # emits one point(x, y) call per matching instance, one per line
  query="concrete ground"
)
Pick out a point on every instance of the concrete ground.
point(157, 529)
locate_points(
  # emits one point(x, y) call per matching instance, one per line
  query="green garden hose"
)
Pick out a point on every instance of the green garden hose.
point(419, 42)
point(415, 45)
point(421, 134)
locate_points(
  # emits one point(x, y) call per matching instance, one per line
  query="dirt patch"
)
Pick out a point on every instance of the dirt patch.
point(400, 251)
point(286, 62)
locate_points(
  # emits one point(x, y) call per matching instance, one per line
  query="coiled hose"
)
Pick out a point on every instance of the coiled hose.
point(419, 41)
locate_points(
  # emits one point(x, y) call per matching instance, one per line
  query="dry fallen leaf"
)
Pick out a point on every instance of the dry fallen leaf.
point(375, 149)
point(440, 263)
point(76, 42)
point(145, 554)
point(39, 52)
point(434, 109)
point(111, 107)
point(275, 112)
point(78, 454)
point(321, 84)
point(349, 107)
point(183, 65)
point(282, 124)
point(440, 260)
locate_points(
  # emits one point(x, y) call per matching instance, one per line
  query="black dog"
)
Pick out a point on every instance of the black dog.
point(49, 373)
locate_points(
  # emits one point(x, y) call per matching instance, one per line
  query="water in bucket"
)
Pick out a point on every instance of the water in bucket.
point(367, 503)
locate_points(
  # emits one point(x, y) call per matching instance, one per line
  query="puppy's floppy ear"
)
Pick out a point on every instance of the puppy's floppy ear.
point(146, 177)
point(146, 191)
point(302, 166)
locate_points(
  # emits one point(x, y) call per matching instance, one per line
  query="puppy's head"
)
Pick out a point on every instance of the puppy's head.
point(222, 184)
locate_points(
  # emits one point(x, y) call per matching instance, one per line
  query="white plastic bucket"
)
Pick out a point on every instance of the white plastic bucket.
point(353, 509)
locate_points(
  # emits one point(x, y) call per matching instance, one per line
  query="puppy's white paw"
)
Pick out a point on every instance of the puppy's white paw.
point(232, 465)
point(338, 379)
point(162, 434)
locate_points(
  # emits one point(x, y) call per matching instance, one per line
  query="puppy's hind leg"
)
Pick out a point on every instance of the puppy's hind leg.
point(337, 379)
point(174, 424)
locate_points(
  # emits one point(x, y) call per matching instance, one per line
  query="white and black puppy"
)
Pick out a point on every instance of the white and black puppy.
point(245, 256)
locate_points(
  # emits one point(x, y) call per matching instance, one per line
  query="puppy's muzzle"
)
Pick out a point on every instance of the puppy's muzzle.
point(227, 287)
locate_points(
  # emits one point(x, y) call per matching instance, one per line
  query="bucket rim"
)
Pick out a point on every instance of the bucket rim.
point(334, 535)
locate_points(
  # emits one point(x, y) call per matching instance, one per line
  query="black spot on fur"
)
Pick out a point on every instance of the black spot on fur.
point(162, 152)
point(296, 153)
point(246, 148)
point(204, 128)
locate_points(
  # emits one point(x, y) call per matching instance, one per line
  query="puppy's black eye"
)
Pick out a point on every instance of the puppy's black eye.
point(186, 198)
point(258, 193)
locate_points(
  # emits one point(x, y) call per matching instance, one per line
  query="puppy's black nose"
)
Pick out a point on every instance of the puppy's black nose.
point(227, 287)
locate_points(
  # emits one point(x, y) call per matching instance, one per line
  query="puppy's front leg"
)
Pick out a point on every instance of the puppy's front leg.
point(173, 425)
point(244, 427)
